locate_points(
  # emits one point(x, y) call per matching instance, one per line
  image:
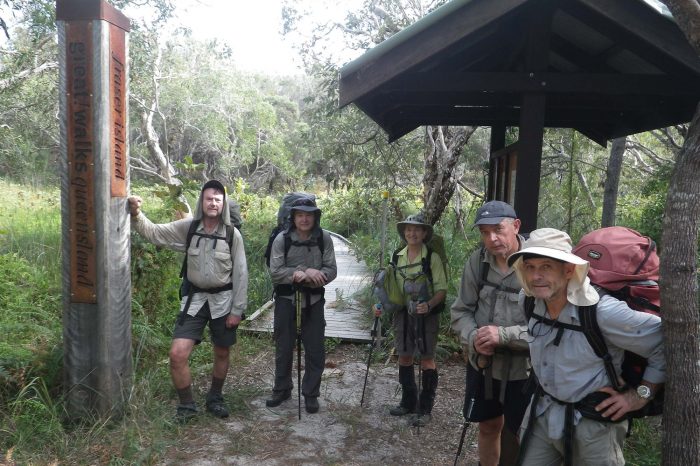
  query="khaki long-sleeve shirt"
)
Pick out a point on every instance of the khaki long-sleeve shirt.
point(476, 308)
point(210, 263)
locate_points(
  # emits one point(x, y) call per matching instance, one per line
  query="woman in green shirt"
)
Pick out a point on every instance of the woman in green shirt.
point(421, 276)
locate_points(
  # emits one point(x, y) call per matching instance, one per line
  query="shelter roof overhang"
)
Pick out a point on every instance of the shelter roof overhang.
point(607, 69)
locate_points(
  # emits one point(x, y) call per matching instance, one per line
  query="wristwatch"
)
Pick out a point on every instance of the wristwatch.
point(644, 392)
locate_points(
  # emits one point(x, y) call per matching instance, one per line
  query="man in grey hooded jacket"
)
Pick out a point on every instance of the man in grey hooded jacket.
point(218, 281)
point(306, 267)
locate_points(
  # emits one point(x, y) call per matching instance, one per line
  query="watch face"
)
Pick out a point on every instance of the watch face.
point(643, 391)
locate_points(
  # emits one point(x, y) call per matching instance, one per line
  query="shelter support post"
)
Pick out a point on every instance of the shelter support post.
point(498, 142)
point(527, 184)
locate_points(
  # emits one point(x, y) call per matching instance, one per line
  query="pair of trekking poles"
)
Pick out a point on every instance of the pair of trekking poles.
point(420, 345)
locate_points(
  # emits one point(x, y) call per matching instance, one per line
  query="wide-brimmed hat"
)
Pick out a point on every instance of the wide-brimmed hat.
point(415, 219)
point(493, 213)
point(305, 204)
point(556, 244)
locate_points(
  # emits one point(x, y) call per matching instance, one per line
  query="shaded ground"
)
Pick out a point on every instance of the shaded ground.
point(341, 432)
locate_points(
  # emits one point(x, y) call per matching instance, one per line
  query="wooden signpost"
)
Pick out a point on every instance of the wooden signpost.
point(93, 45)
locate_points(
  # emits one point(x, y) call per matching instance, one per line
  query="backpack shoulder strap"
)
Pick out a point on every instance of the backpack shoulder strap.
point(229, 235)
point(287, 245)
point(484, 268)
point(592, 332)
point(529, 306)
point(395, 257)
point(321, 242)
point(188, 239)
point(426, 264)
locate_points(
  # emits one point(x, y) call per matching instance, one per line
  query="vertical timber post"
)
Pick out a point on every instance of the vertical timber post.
point(93, 94)
point(532, 117)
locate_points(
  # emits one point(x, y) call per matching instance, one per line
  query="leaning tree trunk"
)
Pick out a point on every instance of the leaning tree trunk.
point(679, 300)
point(612, 181)
point(444, 148)
point(160, 165)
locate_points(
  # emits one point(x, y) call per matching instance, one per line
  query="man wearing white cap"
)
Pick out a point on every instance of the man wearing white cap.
point(575, 416)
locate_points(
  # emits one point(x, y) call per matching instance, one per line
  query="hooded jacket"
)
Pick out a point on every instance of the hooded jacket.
point(210, 263)
point(302, 255)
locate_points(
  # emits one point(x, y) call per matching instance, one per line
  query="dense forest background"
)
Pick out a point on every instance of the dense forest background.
point(195, 116)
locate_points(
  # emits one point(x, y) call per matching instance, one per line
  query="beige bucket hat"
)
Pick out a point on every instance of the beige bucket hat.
point(556, 244)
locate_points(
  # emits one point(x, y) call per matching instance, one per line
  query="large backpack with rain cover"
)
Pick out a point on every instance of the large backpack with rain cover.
point(283, 224)
point(625, 265)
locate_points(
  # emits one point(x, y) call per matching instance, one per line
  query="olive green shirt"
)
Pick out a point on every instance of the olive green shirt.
point(411, 269)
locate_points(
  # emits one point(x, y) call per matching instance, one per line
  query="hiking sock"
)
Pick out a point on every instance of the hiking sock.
point(185, 395)
point(217, 385)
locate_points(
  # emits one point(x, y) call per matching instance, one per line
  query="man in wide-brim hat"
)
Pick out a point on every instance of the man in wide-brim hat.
point(568, 421)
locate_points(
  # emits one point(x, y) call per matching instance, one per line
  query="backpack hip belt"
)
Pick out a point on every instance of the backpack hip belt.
point(193, 289)
point(288, 290)
point(585, 406)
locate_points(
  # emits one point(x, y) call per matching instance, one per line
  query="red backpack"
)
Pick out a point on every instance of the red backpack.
point(625, 264)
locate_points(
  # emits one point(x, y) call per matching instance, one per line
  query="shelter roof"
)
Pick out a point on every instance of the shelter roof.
point(608, 68)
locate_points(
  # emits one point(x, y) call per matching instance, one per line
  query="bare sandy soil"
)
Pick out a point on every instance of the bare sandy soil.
point(341, 433)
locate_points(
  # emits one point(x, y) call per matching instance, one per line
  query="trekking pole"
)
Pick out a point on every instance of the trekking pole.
point(467, 411)
point(297, 297)
point(419, 327)
point(369, 358)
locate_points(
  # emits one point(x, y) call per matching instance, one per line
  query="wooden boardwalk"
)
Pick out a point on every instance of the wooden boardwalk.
point(345, 319)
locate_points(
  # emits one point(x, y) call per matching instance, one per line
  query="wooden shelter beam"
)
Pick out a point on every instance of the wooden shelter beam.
point(561, 83)
point(641, 30)
point(426, 43)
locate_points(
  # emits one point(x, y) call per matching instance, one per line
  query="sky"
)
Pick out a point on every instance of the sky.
point(253, 29)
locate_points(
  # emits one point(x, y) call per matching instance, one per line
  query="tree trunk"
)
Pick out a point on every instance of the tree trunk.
point(612, 181)
point(679, 281)
point(444, 148)
point(679, 301)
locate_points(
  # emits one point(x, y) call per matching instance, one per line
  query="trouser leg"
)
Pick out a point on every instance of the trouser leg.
point(285, 336)
point(312, 334)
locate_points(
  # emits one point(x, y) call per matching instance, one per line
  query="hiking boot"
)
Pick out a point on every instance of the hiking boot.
point(400, 410)
point(420, 420)
point(185, 412)
point(311, 404)
point(216, 406)
point(278, 398)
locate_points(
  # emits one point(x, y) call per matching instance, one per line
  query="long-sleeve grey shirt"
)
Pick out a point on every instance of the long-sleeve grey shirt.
point(302, 255)
point(476, 308)
point(571, 370)
point(209, 265)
